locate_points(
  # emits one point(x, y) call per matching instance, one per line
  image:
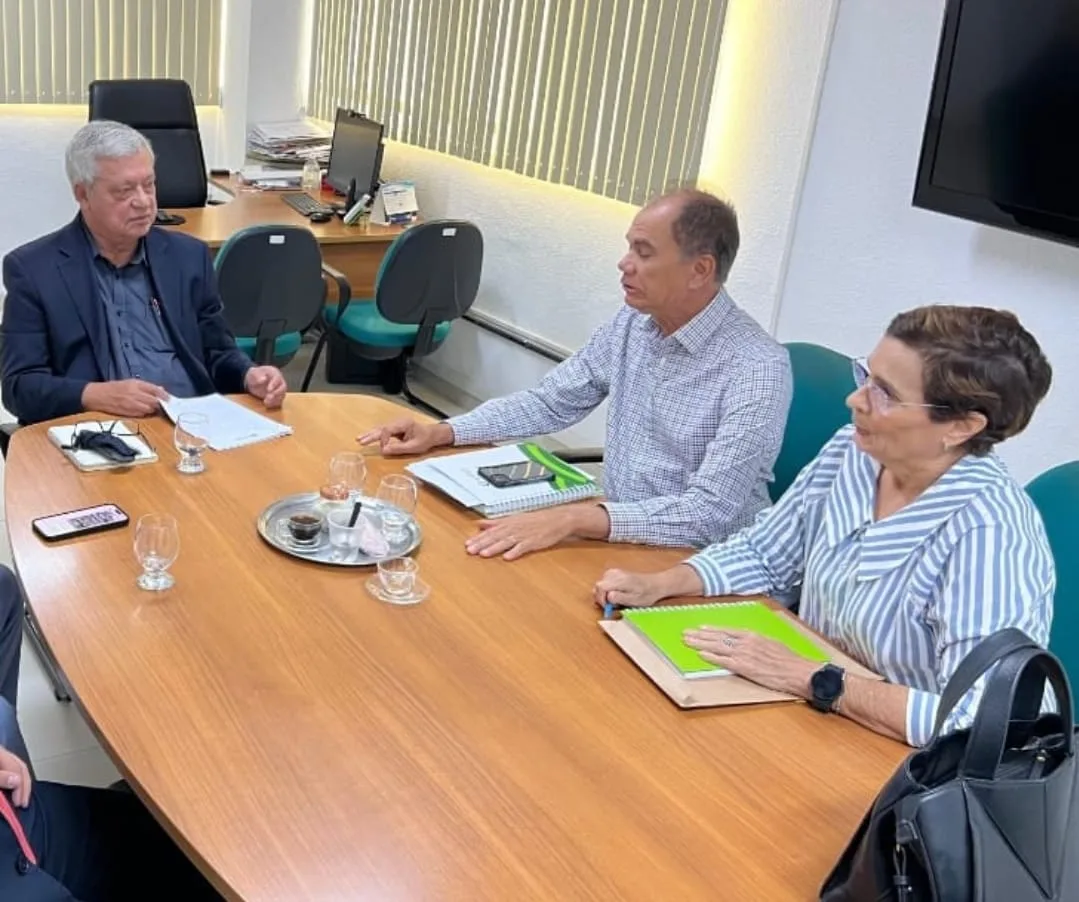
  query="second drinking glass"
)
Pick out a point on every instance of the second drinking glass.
point(400, 493)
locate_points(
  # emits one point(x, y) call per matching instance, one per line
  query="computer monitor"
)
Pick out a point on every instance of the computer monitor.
point(356, 152)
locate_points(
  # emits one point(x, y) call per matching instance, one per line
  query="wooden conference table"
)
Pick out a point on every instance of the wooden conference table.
point(303, 741)
point(356, 251)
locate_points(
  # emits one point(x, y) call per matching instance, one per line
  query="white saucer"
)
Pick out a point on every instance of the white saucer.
point(420, 591)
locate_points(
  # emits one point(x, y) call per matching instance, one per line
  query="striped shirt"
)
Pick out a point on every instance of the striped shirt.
point(909, 595)
point(694, 423)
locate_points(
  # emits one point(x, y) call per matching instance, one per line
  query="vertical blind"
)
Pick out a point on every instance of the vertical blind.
point(50, 50)
point(610, 96)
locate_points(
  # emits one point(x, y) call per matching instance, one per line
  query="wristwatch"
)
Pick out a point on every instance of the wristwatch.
point(827, 686)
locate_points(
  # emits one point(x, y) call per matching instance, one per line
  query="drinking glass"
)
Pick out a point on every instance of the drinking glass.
point(348, 468)
point(399, 492)
point(189, 437)
point(398, 577)
point(157, 543)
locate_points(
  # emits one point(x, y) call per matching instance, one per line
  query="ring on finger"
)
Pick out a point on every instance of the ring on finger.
point(730, 642)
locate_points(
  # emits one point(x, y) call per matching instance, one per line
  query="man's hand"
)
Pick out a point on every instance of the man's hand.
point(515, 536)
point(15, 777)
point(406, 436)
point(125, 397)
point(267, 384)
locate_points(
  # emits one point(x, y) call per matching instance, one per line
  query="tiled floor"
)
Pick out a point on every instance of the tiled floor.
point(61, 745)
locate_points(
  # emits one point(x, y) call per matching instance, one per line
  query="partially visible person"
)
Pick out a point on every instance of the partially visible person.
point(11, 614)
point(698, 393)
point(74, 843)
point(111, 314)
point(908, 539)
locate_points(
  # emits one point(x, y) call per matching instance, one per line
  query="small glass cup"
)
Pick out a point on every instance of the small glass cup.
point(398, 576)
point(189, 436)
point(157, 544)
point(348, 468)
point(344, 539)
point(399, 493)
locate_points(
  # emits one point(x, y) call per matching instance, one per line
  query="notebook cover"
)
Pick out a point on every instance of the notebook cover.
point(664, 628)
point(457, 476)
point(730, 690)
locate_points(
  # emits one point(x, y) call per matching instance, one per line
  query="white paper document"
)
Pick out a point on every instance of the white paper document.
point(229, 425)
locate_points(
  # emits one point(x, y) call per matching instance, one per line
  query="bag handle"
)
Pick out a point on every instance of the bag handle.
point(983, 656)
point(1014, 693)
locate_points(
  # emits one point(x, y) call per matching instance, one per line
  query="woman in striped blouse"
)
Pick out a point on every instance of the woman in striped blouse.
point(906, 537)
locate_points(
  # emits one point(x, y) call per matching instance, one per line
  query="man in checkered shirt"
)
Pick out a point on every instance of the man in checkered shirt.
point(698, 393)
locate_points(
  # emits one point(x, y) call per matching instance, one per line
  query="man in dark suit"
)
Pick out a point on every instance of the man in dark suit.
point(109, 313)
point(74, 843)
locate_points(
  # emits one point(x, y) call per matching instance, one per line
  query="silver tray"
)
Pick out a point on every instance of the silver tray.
point(271, 528)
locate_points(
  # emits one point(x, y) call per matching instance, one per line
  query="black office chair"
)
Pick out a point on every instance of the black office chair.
point(164, 111)
point(271, 283)
point(429, 277)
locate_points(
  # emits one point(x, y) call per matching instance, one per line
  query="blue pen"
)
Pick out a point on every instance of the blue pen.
point(608, 610)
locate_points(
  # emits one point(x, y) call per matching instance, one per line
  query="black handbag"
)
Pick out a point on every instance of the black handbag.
point(985, 814)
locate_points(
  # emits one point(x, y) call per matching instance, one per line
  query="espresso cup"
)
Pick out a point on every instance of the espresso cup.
point(305, 527)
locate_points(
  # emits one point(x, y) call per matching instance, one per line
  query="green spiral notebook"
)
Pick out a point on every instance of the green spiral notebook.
point(663, 627)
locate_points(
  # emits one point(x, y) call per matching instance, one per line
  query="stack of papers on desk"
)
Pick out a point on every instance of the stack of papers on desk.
point(230, 425)
point(458, 476)
point(291, 143)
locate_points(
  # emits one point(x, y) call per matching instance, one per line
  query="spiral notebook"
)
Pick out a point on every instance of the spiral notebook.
point(457, 475)
point(663, 628)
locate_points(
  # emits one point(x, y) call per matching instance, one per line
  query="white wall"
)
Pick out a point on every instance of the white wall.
point(280, 54)
point(862, 253)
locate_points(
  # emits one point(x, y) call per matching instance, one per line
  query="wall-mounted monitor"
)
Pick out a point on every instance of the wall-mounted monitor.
point(1001, 142)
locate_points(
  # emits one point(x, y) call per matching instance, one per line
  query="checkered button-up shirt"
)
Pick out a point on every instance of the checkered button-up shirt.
point(694, 424)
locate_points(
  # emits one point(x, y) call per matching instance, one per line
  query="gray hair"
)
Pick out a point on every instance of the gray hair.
point(706, 226)
point(101, 139)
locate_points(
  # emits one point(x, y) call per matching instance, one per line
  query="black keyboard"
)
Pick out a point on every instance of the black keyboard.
point(305, 204)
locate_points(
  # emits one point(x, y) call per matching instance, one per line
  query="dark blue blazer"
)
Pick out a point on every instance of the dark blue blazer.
point(55, 335)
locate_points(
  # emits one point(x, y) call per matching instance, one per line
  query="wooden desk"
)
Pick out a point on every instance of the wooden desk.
point(356, 251)
point(305, 742)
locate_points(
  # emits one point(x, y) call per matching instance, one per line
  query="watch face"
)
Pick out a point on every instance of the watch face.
point(827, 683)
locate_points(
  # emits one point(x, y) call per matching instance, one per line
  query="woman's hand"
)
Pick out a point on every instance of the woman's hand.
point(764, 661)
point(627, 589)
point(639, 590)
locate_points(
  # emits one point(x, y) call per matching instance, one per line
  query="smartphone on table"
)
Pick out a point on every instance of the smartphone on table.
point(80, 522)
point(525, 472)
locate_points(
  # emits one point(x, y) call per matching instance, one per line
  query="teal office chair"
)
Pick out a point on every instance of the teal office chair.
point(271, 283)
point(428, 278)
point(822, 381)
point(1056, 495)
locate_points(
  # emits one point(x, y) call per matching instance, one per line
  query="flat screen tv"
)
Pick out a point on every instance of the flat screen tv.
point(1001, 141)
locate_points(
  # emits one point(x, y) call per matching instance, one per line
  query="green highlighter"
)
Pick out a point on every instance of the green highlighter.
point(663, 628)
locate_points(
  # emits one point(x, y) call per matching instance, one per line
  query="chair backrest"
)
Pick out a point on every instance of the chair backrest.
point(270, 279)
point(164, 111)
point(430, 274)
point(822, 382)
point(1056, 495)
